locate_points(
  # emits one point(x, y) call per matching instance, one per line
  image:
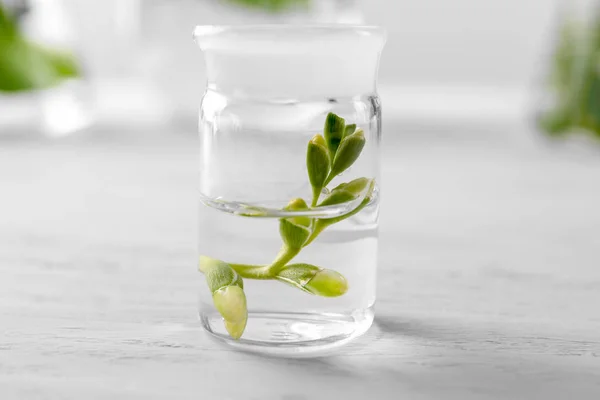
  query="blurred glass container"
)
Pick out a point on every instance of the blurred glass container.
point(57, 110)
point(570, 100)
point(53, 112)
point(118, 63)
point(116, 87)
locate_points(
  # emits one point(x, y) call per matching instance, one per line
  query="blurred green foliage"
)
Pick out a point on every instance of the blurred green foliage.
point(25, 65)
point(575, 78)
point(271, 5)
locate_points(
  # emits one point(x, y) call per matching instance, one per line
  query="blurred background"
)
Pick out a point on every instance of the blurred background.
point(490, 176)
point(134, 65)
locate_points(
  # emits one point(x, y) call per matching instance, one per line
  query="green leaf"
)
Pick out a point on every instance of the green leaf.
point(314, 280)
point(346, 192)
point(356, 186)
point(593, 100)
point(350, 129)
point(236, 329)
point(64, 63)
point(348, 152)
point(317, 163)
point(230, 301)
point(556, 122)
point(363, 204)
point(298, 275)
point(293, 235)
point(8, 25)
point(228, 295)
point(327, 283)
point(299, 205)
point(335, 128)
point(29, 66)
point(338, 197)
point(574, 79)
point(219, 274)
point(22, 67)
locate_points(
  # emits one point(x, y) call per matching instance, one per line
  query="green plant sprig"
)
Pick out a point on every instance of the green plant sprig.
point(575, 79)
point(328, 156)
point(25, 65)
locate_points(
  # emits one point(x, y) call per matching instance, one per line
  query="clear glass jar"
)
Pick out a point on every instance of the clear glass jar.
point(270, 91)
point(571, 94)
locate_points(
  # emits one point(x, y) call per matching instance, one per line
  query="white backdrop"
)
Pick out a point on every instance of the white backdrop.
point(463, 41)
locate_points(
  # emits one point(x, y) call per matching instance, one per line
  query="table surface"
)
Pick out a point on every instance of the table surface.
point(489, 283)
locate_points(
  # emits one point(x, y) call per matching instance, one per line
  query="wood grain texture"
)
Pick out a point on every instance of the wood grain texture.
point(489, 283)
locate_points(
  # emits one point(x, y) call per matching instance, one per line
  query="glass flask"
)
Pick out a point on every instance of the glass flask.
point(290, 126)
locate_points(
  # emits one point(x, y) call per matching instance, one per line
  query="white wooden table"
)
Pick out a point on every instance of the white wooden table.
point(489, 284)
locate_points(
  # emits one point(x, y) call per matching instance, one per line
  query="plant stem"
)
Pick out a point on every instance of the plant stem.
point(264, 272)
point(318, 228)
point(286, 254)
point(321, 224)
point(329, 179)
point(316, 194)
point(260, 272)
